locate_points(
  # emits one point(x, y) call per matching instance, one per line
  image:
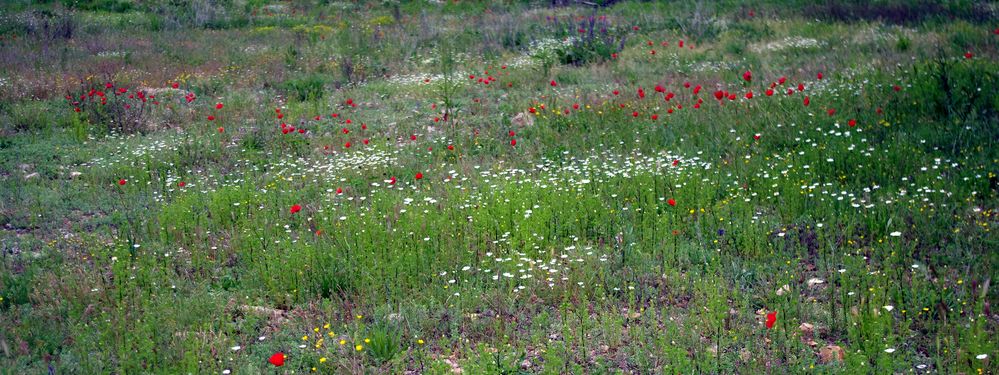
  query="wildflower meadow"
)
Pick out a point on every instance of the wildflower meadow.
point(499, 187)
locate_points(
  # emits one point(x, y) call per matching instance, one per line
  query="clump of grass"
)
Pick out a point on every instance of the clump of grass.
point(385, 343)
point(306, 87)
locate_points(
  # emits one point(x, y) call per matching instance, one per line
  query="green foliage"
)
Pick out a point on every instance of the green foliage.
point(952, 89)
point(34, 116)
point(115, 6)
point(385, 343)
point(586, 53)
point(306, 87)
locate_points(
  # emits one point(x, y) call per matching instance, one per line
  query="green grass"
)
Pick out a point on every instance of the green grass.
point(603, 241)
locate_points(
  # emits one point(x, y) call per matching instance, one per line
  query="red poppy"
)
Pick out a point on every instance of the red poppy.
point(450, 147)
point(756, 137)
point(277, 359)
point(392, 180)
point(218, 106)
point(412, 137)
point(719, 94)
point(615, 92)
point(781, 80)
point(770, 92)
point(346, 145)
point(512, 133)
point(807, 101)
point(634, 114)
point(819, 75)
point(295, 208)
point(749, 95)
point(339, 191)
point(181, 184)
point(513, 142)
point(676, 162)
point(365, 141)
point(968, 55)
point(747, 76)
point(419, 175)
point(641, 93)
point(771, 319)
point(221, 129)
point(852, 123)
point(671, 202)
point(553, 83)
point(832, 111)
point(122, 182)
point(896, 88)
point(654, 116)
point(211, 118)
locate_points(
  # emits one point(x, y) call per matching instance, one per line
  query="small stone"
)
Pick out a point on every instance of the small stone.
point(807, 330)
point(831, 353)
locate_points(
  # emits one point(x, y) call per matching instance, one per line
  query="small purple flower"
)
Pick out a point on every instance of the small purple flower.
point(721, 232)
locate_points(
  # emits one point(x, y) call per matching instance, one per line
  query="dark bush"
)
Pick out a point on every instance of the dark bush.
point(305, 87)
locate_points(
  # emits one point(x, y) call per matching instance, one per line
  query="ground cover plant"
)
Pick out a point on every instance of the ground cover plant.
point(445, 187)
